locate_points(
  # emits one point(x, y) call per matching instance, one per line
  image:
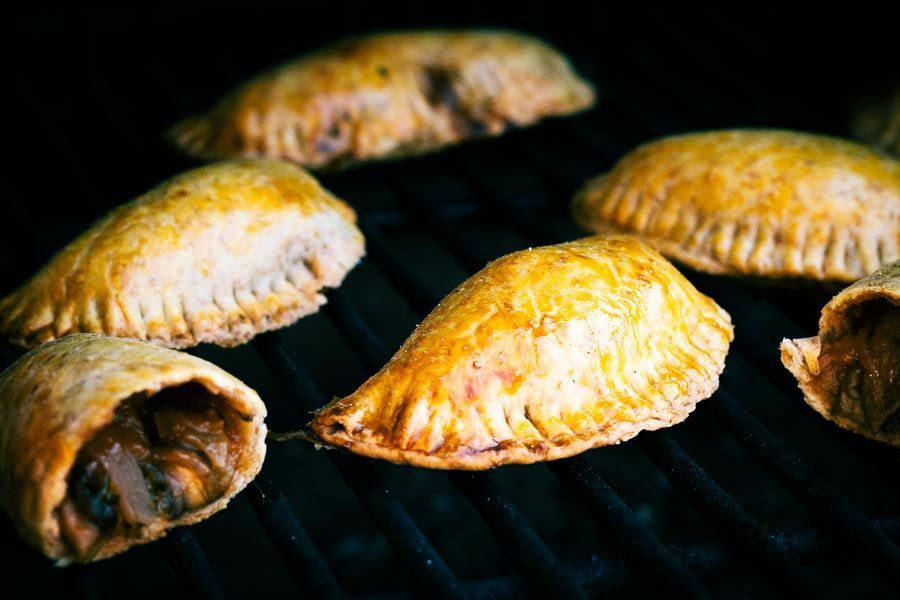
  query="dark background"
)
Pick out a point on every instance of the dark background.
point(89, 91)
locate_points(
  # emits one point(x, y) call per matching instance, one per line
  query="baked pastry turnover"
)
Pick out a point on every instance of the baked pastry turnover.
point(543, 354)
point(878, 123)
point(389, 95)
point(106, 443)
point(217, 254)
point(762, 203)
point(850, 372)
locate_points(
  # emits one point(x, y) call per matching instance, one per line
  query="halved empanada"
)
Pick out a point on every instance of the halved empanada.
point(850, 372)
point(388, 95)
point(217, 254)
point(878, 123)
point(765, 203)
point(543, 354)
point(106, 443)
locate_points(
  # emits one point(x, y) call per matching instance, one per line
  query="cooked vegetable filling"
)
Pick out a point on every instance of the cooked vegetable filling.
point(161, 456)
point(863, 369)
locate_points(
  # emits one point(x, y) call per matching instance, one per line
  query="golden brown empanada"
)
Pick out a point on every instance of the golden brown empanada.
point(543, 354)
point(765, 203)
point(106, 443)
point(878, 123)
point(850, 372)
point(389, 95)
point(217, 254)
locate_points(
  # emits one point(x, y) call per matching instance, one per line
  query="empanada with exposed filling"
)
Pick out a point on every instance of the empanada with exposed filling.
point(217, 254)
point(850, 372)
point(543, 354)
point(878, 123)
point(389, 95)
point(759, 203)
point(106, 443)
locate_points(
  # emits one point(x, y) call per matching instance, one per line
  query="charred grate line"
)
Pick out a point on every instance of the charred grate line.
point(191, 566)
point(831, 509)
point(428, 568)
point(526, 549)
point(637, 542)
point(293, 544)
point(718, 506)
point(380, 252)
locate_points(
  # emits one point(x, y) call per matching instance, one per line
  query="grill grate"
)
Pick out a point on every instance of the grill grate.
point(428, 223)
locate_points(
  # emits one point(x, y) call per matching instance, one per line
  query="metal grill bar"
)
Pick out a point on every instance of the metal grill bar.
point(294, 545)
point(636, 541)
point(527, 551)
point(723, 510)
point(833, 511)
point(426, 565)
point(191, 566)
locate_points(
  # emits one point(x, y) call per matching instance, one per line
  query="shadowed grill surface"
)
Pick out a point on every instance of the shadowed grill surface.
point(754, 494)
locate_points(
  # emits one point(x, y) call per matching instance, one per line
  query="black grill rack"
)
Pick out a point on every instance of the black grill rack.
point(763, 495)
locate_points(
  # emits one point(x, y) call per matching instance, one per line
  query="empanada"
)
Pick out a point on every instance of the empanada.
point(543, 354)
point(106, 443)
point(878, 123)
point(850, 372)
point(388, 95)
point(217, 254)
point(761, 203)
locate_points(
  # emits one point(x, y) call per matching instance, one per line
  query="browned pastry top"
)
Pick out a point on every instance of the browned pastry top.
point(543, 354)
point(386, 95)
point(216, 254)
point(765, 203)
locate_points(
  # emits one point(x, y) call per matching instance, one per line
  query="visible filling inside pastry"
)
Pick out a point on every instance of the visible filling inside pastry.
point(862, 368)
point(161, 456)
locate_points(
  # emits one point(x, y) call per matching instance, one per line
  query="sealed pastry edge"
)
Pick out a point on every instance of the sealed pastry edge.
point(45, 485)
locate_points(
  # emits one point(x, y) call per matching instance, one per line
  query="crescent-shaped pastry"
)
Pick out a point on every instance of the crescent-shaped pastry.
point(543, 354)
point(850, 372)
point(759, 203)
point(106, 443)
point(389, 95)
point(878, 123)
point(217, 254)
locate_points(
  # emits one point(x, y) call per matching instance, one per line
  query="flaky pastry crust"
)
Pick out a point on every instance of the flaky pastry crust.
point(841, 393)
point(56, 397)
point(543, 354)
point(760, 203)
point(217, 254)
point(389, 95)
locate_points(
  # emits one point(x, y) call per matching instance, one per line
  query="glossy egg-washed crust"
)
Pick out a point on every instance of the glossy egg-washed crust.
point(388, 95)
point(543, 354)
point(759, 203)
point(217, 254)
point(801, 356)
point(878, 123)
point(56, 397)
